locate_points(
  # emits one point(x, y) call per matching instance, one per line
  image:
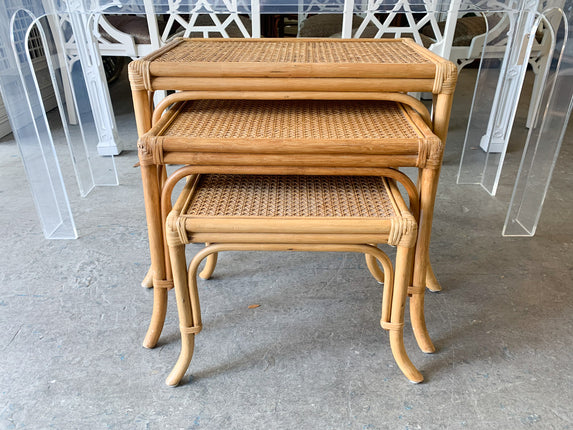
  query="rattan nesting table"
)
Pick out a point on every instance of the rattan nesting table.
point(291, 107)
point(291, 213)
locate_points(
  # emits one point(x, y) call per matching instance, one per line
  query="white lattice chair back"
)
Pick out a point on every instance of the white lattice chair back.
point(205, 19)
point(152, 26)
point(415, 16)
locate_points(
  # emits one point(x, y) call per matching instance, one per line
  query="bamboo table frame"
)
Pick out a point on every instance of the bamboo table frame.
point(291, 213)
point(382, 69)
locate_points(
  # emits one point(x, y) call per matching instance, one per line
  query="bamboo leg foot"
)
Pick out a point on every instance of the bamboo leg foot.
point(188, 309)
point(396, 323)
point(419, 323)
point(154, 227)
point(401, 358)
point(209, 266)
point(185, 356)
point(148, 280)
point(157, 318)
point(374, 268)
point(431, 280)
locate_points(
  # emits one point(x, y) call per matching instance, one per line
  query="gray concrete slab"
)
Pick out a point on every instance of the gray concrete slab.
point(312, 356)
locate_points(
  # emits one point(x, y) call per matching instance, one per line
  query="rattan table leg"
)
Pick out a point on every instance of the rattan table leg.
point(187, 308)
point(156, 246)
point(441, 118)
point(393, 303)
point(374, 269)
point(165, 209)
point(210, 265)
point(396, 326)
point(151, 193)
point(143, 120)
point(431, 281)
point(157, 318)
point(148, 280)
point(428, 187)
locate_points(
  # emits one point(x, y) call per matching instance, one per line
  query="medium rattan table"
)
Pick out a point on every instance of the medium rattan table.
point(291, 106)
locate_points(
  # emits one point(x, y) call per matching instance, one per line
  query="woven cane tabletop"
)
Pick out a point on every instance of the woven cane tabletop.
point(291, 58)
point(283, 131)
point(290, 196)
point(294, 119)
point(248, 208)
point(292, 51)
point(344, 121)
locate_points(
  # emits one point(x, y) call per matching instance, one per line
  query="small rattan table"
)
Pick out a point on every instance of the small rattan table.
point(291, 213)
point(294, 106)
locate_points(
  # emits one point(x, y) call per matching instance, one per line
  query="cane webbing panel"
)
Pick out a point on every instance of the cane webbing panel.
point(290, 196)
point(313, 51)
point(293, 119)
point(342, 133)
point(394, 59)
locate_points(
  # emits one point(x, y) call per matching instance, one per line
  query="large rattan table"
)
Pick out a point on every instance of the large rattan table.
point(294, 106)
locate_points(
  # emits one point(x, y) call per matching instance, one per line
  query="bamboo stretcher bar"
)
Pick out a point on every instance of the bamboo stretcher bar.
point(284, 238)
point(317, 160)
point(318, 225)
point(293, 84)
point(288, 70)
point(405, 99)
point(290, 146)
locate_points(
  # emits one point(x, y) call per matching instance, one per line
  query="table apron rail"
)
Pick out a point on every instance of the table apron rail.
point(310, 160)
point(292, 85)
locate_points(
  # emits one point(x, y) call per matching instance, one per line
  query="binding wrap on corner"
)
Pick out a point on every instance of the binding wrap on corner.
point(139, 72)
point(446, 77)
point(403, 231)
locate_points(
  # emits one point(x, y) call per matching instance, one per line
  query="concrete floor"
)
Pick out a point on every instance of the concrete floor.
point(312, 356)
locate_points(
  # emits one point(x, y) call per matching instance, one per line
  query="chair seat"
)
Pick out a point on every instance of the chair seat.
point(338, 209)
point(292, 132)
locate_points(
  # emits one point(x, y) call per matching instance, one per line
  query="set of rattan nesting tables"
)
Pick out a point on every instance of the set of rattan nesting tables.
point(291, 144)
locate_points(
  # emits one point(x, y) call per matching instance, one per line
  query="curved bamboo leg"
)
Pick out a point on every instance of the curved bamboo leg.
point(157, 317)
point(188, 309)
point(375, 255)
point(374, 269)
point(182, 364)
point(151, 192)
point(190, 314)
point(396, 325)
point(148, 280)
point(428, 185)
point(419, 323)
point(155, 231)
point(210, 265)
point(401, 357)
point(431, 280)
point(165, 208)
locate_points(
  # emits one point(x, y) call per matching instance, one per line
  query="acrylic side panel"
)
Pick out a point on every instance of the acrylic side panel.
point(77, 119)
point(29, 123)
point(490, 73)
point(501, 125)
point(500, 76)
point(546, 135)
